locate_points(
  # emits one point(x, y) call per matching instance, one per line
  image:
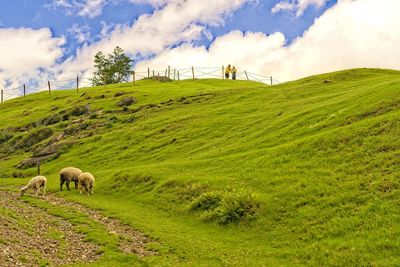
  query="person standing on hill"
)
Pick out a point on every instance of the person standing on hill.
point(234, 71)
point(228, 70)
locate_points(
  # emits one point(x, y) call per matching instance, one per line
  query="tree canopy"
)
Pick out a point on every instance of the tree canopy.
point(111, 68)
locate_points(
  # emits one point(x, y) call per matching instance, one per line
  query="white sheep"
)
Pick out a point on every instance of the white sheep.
point(69, 174)
point(35, 183)
point(86, 181)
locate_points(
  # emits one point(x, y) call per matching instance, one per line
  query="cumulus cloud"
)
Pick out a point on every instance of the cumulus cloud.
point(297, 6)
point(362, 33)
point(179, 21)
point(22, 59)
point(18, 55)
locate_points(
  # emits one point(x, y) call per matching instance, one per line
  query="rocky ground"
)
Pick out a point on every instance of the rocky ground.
point(30, 236)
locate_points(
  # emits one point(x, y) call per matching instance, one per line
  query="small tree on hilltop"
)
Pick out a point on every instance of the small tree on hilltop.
point(110, 69)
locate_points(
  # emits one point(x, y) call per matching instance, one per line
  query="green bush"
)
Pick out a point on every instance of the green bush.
point(206, 202)
point(237, 208)
point(226, 208)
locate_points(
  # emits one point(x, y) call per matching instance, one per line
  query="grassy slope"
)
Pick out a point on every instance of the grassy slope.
point(320, 154)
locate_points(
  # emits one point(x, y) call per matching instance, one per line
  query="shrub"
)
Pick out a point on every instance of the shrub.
point(206, 202)
point(236, 208)
point(226, 208)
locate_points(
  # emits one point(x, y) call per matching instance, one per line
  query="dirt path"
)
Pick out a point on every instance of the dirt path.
point(29, 236)
point(131, 241)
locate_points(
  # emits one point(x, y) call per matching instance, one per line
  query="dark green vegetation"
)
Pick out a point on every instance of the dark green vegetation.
point(229, 173)
point(113, 68)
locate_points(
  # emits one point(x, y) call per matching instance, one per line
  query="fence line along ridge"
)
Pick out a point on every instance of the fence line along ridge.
point(175, 74)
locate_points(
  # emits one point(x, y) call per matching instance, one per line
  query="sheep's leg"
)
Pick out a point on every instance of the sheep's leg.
point(80, 187)
point(67, 185)
point(91, 188)
point(87, 189)
point(76, 184)
point(61, 183)
point(36, 191)
point(44, 191)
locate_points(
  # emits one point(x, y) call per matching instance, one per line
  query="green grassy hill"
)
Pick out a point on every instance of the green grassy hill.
point(229, 172)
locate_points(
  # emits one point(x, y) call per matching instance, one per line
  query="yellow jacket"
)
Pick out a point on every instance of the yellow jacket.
point(228, 70)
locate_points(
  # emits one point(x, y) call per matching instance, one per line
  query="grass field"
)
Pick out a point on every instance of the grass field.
point(227, 172)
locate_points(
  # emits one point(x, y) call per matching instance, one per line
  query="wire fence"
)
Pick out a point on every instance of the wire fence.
point(176, 74)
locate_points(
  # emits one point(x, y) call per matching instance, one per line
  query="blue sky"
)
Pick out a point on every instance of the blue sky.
point(56, 40)
point(249, 17)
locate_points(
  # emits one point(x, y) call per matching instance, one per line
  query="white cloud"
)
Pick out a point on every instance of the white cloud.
point(297, 6)
point(154, 3)
point(234, 48)
point(83, 8)
point(176, 22)
point(19, 56)
point(362, 33)
point(80, 33)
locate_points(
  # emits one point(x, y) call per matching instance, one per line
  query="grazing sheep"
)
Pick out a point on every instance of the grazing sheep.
point(86, 180)
point(69, 174)
point(35, 183)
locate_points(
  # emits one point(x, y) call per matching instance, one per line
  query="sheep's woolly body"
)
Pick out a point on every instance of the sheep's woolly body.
point(69, 174)
point(35, 183)
point(86, 181)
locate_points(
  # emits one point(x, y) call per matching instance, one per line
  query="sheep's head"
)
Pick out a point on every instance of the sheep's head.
point(22, 191)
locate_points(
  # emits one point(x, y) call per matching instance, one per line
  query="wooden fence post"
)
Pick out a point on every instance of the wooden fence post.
point(174, 74)
point(134, 77)
point(166, 70)
point(48, 83)
point(178, 76)
point(77, 83)
point(2, 96)
point(153, 73)
point(223, 73)
point(169, 72)
point(193, 72)
point(148, 73)
point(247, 76)
point(24, 90)
point(38, 167)
point(271, 80)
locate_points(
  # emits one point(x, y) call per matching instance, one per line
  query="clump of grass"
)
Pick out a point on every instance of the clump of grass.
point(50, 120)
point(80, 110)
point(5, 136)
point(127, 101)
point(226, 208)
point(206, 202)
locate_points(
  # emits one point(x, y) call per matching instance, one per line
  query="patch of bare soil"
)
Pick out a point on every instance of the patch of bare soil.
point(131, 241)
point(30, 237)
